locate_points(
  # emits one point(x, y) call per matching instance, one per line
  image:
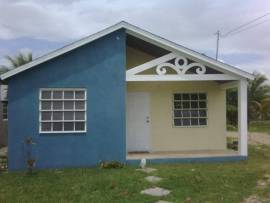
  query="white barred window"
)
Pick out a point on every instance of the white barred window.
point(190, 109)
point(62, 110)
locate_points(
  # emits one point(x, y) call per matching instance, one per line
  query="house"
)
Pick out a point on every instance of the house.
point(3, 114)
point(120, 91)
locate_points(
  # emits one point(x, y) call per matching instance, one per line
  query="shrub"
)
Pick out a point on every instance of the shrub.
point(111, 164)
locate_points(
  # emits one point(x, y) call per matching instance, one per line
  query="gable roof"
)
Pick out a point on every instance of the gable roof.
point(137, 32)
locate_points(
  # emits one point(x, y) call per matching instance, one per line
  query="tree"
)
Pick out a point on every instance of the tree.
point(16, 61)
point(258, 97)
point(258, 100)
point(3, 70)
point(231, 97)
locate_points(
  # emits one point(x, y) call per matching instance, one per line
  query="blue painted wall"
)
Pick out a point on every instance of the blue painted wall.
point(100, 68)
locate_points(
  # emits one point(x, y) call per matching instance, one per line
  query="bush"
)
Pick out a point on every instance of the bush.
point(231, 128)
point(111, 164)
point(232, 143)
point(3, 163)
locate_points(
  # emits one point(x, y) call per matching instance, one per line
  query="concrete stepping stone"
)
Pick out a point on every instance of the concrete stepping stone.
point(156, 191)
point(153, 179)
point(147, 170)
point(162, 201)
point(261, 184)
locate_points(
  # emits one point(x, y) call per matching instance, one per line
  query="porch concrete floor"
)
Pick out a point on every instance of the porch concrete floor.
point(181, 154)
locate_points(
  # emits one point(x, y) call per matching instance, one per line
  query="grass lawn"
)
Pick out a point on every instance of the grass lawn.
point(260, 126)
point(227, 182)
point(254, 126)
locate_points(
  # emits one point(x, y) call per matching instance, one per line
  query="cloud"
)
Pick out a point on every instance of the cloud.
point(190, 23)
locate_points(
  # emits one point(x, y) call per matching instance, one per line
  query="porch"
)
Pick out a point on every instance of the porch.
point(176, 105)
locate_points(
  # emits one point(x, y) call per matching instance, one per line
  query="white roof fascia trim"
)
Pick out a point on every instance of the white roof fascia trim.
point(135, 31)
point(187, 77)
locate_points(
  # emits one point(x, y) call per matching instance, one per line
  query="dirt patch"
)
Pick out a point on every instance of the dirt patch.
point(253, 199)
point(261, 184)
point(259, 138)
point(254, 138)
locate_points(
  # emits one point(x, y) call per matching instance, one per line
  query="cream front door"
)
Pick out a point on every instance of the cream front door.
point(137, 122)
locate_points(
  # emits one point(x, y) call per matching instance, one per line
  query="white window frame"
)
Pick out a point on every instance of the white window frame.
point(190, 126)
point(4, 115)
point(63, 110)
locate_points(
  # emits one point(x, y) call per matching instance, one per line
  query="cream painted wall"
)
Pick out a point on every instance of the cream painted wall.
point(136, 57)
point(165, 137)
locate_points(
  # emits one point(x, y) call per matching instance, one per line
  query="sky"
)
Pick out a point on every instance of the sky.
point(42, 26)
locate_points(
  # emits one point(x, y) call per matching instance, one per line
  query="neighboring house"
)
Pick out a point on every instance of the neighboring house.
point(119, 91)
point(3, 114)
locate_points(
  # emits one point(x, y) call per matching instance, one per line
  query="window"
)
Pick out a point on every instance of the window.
point(190, 109)
point(62, 110)
point(4, 110)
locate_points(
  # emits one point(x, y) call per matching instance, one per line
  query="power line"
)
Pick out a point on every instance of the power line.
point(244, 25)
point(239, 29)
point(249, 27)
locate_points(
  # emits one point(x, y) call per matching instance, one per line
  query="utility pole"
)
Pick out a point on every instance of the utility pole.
point(217, 45)
point(246, 26)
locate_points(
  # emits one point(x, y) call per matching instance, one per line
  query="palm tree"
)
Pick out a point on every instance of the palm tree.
point(258, 97)
point(3, 70)
point(258, 100)
point(14, 62)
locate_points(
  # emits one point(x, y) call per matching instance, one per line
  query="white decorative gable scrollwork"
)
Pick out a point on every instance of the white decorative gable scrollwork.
point(184, 69)
point(180, 66)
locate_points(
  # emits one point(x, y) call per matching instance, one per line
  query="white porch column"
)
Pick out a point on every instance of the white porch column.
point(242, 118)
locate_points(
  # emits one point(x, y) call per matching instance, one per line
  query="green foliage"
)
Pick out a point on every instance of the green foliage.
point(259, 126)
point(257, 88)
point(111, 164)
point(254, 126)
point(231, 127)
point(16, 61)
point(232, 143)
point(3, 163)
point(258, 100)
point(231, 97)
point(3, 70)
